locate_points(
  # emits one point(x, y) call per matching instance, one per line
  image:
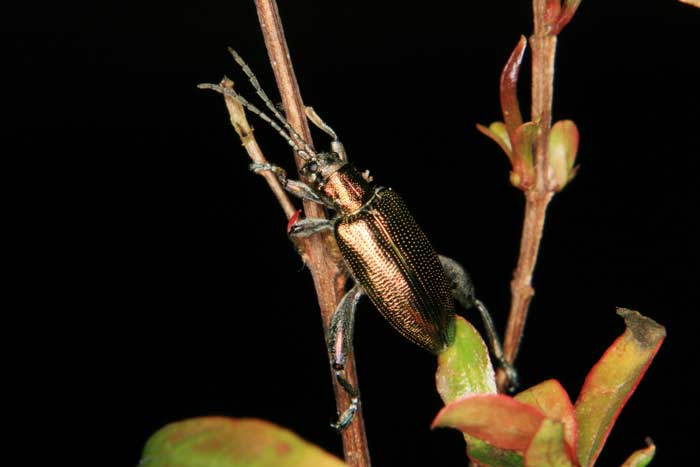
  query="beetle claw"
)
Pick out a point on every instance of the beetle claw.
point(346, 417)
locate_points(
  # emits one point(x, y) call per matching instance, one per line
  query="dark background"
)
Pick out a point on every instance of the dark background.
point(165, 287)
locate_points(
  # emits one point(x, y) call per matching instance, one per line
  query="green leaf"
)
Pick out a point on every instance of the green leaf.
point(230, 442)
point(548, 447)
point(612, 381)
point(499, 420)
point(465, 368)
point(561, 152)
point(642, 457)
point(484, 454)
point(551, 398)
point(523, 175)
point(497, 132)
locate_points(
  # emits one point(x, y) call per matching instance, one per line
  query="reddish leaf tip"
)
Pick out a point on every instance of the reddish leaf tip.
point(508, 87)
point(612, 380)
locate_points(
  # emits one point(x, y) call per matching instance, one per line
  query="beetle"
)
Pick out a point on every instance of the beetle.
point(386, 252)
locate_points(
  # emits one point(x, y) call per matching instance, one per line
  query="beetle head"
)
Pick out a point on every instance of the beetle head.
point(319, 168)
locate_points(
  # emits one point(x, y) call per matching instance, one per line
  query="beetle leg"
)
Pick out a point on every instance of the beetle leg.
point(309, 226)
point(295, 187)
point(463, 292)
point(511, 372)
point(340, 334)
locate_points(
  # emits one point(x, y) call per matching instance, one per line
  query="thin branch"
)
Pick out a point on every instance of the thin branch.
point(543, 46)
point(245, 133)
point(319, 251)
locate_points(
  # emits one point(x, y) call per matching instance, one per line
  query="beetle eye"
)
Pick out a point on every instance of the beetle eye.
point(313, 167)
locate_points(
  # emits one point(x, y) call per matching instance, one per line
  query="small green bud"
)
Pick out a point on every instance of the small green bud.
point(561, 153)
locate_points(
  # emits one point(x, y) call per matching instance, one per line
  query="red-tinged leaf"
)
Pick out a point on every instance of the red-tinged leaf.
point(551, 12)
point(612, 380)
point(551, 398)
point(230, 442)
point(642, 457)
point(465, 367)
point(523, 175)
point(509, 87)
point(567, 13)
point(497, 132)
point(496, 419)
point(548, 447)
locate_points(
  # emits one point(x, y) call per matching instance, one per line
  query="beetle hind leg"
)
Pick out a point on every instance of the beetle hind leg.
point(463, 292)
point(340, 334)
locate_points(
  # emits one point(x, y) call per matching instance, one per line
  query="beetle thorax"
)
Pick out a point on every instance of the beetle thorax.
point(348, 190)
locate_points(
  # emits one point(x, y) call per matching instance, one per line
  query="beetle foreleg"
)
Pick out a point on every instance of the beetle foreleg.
point(340, 332)
point(295, 187)
point(463, 292)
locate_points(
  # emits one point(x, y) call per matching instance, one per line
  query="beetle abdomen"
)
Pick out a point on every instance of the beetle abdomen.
point(391, 257)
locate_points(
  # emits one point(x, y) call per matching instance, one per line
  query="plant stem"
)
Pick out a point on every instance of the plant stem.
point(543, 46)
point(521, 285)
point(319, 251)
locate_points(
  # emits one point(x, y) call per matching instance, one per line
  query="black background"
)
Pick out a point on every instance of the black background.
point(173, 292)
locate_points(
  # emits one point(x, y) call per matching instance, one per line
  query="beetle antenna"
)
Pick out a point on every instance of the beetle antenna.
point(306, 153)
point(268, 102)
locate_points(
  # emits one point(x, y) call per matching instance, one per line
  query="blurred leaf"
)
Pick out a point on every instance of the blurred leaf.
point(612, 381)
point(692, 2)
point(548, 447)
point(230, 442)
point(497, 419)
point(642, 457)
point(465, 368)
point(551, 398)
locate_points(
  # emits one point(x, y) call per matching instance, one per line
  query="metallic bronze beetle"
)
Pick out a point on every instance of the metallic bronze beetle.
point(390, 258)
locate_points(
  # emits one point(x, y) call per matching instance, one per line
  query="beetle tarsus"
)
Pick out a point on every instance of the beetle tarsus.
point(346, 417)
point(279, 172)
point(309, 226)
point(295, 187)
point(496, 347)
